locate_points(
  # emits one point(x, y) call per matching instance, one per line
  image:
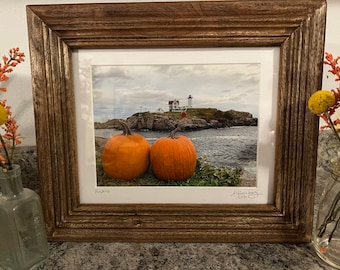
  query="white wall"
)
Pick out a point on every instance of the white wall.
point(332, 39)
point(14, 34)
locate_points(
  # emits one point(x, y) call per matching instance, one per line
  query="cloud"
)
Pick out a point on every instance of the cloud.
point(124, 90)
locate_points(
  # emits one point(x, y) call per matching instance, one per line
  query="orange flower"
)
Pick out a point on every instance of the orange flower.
point(11, 133)
point(11, 137)
point(333, 62)
point(3, 78)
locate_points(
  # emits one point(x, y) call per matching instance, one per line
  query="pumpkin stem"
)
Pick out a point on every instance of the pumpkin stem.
point(126, 128)
point(173, 133)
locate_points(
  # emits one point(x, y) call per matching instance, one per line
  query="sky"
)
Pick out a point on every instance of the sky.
point(120, 91)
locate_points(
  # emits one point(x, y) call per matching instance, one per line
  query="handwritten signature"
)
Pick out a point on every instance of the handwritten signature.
point(246, 194)
point(102, 191)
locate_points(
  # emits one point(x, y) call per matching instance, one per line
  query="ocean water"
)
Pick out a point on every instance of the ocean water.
point(234, 147)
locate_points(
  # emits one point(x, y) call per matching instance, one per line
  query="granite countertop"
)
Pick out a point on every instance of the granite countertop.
point(129, 256)
point(172, 256)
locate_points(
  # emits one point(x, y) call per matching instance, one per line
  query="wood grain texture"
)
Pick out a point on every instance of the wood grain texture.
point(297, 27)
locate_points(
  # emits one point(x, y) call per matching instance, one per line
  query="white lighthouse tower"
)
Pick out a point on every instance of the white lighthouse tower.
point(189, 101)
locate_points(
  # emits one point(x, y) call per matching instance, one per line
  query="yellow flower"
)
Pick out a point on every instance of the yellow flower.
point(321, 101)
point(3, 115)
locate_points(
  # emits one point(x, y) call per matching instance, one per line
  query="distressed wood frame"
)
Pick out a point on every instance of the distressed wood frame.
point(297, 27)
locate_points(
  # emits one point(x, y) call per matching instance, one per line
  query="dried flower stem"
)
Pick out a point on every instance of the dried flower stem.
point(332, 126)
point(330, 217)
point(9, 160)
point(335, 226)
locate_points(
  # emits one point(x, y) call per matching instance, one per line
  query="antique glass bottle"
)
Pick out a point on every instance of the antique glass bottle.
point(23, 242)
point(327, 229)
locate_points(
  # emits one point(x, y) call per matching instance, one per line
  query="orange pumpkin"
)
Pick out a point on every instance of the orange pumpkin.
point(173, 158)
point(126, 156)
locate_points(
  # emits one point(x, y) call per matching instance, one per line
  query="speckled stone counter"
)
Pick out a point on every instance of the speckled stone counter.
point(172, 256)
point(184, 256)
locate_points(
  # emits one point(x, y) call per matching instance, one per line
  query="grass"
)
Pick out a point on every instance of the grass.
point(206, 113)
point(205, 174)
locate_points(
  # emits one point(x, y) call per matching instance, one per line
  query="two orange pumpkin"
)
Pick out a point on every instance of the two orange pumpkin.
point(126, 156)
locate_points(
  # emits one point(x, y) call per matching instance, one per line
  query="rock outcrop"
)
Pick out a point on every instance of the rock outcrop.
point(110, 124)
point(165, 122)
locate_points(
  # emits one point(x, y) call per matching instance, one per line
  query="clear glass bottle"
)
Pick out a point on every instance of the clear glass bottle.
point(327, 229)
point(23, 242)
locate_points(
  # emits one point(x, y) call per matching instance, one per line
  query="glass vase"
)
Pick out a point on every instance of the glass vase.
point(23, 242)
point(326, 237)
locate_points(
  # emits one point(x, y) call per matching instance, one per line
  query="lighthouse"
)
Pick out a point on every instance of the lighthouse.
point(189, 101)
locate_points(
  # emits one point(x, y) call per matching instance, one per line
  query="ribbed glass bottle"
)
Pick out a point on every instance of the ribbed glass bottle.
point(23, 242)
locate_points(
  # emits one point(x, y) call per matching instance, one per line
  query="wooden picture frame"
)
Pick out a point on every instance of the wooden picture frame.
point(297, 27)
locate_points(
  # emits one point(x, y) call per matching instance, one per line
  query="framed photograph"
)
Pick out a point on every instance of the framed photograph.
point(73, 47)
point(140, 86)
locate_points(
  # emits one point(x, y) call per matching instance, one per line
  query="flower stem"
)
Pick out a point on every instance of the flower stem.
point(6, 152)
point(332, 232)
point(329, 217)
point(332, 126)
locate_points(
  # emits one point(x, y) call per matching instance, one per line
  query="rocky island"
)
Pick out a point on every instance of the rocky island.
point(192, 119)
